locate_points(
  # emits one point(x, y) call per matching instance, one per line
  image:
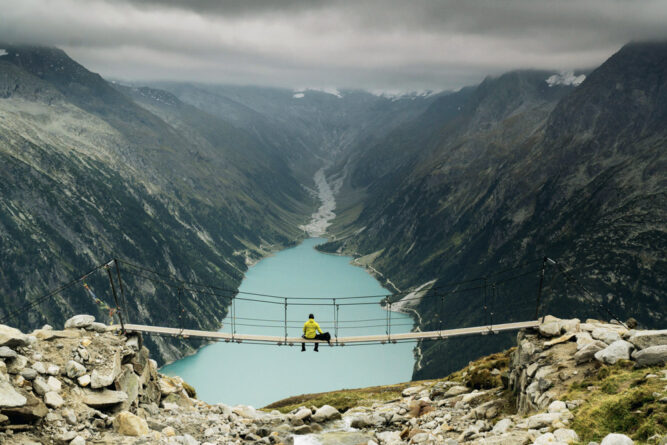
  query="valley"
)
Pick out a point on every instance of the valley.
point(200, 181)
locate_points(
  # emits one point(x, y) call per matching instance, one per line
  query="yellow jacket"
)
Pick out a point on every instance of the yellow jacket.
point(310, 328)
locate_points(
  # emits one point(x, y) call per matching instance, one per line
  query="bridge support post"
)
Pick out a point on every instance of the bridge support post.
point(122, 290)
point(115, 298)
point(285, 320)
point(539, 290)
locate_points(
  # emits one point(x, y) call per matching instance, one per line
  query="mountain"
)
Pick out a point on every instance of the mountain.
point(91, 171)
point(307, 128)
point(511, 171)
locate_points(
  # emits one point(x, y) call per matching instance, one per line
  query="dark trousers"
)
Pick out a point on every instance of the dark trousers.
point(325, 336)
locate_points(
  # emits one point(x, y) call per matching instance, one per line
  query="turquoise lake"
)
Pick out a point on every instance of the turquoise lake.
point(257, 375)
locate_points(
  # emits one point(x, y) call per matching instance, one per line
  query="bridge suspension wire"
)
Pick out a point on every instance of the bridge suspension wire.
point(39, 300)
point(280, 297)
point(488, 287)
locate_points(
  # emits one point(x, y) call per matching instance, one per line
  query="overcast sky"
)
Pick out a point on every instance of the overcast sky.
point(378, 45)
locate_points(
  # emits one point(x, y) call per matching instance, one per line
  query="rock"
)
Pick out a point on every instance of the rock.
point(69, 416)
point(78, 440)
point(326, 413)
point(652, 355)
point(128, 382)
point(53, 399)
point(29, 374)
point(303, 429)
point(616, 439)
point(546, 439)
point(105, 376)
point(587, 353)
point(104, 398)
point(562, 339)
point(513, 438)
point(502, 426)
point(169, 432)
point(39, 367)
point(53, 370)
point(566, 436)
point(54, 384)
point(79, 321)
point(17, 364)
point(606, 335)
point(361, 422)
point(97, 327)
point(411, 391)
point(84, 380)
point(570, 326)
point(583, 339)
point(456, 391)
point(549, 328)
point(128, 424)
point(646, 339)
point(9, 397)
point(557, 407)
point(245, 411)
point(40, 386)
point(33, 410)
point(541, 420)
point(620, 349)
point(74, 369)
point(6, 352)
point(170, 385)
point(303, 414)
point(12, 337)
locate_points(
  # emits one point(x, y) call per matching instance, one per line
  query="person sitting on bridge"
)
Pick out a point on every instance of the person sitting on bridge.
point(312, 331)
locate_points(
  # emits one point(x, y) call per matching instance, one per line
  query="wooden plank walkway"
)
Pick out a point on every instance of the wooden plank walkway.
point(340, 341)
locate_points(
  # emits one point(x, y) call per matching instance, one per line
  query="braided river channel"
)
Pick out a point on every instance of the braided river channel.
point(257, 375)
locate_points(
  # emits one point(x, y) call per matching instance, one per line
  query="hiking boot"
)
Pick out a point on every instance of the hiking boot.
point(303, 348)
point(316, 345)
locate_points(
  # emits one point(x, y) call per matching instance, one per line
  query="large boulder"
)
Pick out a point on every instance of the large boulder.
point(616, 439)
point(17, 364)
point(53, 400)
point(128, 382)
point(550, 327)
point(79, 321)
point(74, 369)
point(618, 350)
point(33, 410)
point(608, 336)
point(105, 375)
point(587, 353)
point(6, 352)
point(12, 337)
point(326, 413)
point(104, 398)
point(9, 397)
point(303, 414)
point(653, 355)
point(646, 339)
point(129, 424)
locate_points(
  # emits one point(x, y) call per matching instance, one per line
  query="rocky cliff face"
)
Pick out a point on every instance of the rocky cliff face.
point(88, 384)
point(90, 171)
point(512, 171)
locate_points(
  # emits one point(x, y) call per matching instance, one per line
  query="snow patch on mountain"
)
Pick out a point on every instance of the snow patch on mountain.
point(326, 90)
point(395, 95)
point(565, 78)
point(3, 52)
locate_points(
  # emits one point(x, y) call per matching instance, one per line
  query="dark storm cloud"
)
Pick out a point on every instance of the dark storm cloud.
point(388, 44)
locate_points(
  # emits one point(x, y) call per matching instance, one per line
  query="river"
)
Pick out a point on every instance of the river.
point(257, 375)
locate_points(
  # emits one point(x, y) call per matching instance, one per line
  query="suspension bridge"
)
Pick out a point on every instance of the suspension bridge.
point(499, 312)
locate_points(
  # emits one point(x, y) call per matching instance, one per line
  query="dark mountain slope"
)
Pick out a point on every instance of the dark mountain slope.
point(519, 174)
point(88, 173)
